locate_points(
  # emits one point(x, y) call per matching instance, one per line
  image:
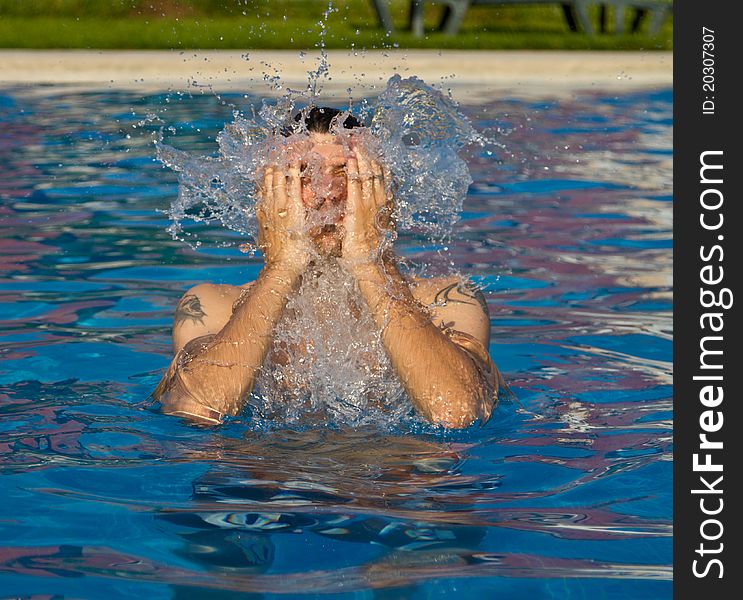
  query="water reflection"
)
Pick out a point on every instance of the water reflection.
point(568, 226)
point(351, 510)
point(376, 492)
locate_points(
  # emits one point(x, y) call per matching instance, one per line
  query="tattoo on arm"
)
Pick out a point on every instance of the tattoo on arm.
point(189, 308)
point(468, 290)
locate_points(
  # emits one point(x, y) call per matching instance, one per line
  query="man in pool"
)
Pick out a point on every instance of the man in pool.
point(434, 331)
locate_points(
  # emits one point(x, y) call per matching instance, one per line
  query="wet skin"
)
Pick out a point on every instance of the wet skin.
point(329, 198)
point(435, 332)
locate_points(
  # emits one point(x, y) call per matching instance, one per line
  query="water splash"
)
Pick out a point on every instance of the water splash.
point(314, 86)
point(322, 369)
point(420, 132)
point(413, 129)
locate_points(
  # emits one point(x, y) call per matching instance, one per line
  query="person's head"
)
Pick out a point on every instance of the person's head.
point(323, 164)
point(321, 119)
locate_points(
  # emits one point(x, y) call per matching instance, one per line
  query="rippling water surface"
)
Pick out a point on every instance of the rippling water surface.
point(565, 493)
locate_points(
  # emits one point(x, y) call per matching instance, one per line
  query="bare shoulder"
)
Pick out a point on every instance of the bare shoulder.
point(216, 293)
point(202, 310)
point(213, 295)
point(455, 303)
point(443, 290)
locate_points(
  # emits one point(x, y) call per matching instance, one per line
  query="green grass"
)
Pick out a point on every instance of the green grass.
point(132, 24)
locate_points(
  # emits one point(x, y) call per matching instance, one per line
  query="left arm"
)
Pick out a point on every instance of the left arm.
point(450, 383)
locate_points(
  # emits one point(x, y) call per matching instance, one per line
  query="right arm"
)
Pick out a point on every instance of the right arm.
point(212, 375)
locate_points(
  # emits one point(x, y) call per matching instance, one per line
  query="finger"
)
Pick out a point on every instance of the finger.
point(362, 160)
point(268, 176)
point(294, 193)
point(279, 191)
point(380, 197)
point(260, 216)
point(266, 190)
point(353, 185)
point(294, 189)
point(365, 175)
point(266, 194)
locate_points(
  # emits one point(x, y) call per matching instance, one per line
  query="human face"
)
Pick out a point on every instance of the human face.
point(324, 190)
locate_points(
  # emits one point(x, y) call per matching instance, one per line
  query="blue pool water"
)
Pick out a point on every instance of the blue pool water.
point(565, 493)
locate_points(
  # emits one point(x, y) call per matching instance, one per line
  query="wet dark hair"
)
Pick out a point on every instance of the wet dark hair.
point(319, 118)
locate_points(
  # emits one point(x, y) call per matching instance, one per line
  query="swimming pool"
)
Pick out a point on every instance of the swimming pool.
point(565, 493)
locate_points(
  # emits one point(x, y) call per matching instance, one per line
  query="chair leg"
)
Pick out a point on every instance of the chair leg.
point(656, 20)
point(581, 11)
point(445, 16)
point(382, 8)
point(416, 18)
point(619, 18)
point(640, 14)
point(569, 12)
point(454, 17)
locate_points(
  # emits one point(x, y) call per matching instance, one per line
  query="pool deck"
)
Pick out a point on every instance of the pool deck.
point(471, 74)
